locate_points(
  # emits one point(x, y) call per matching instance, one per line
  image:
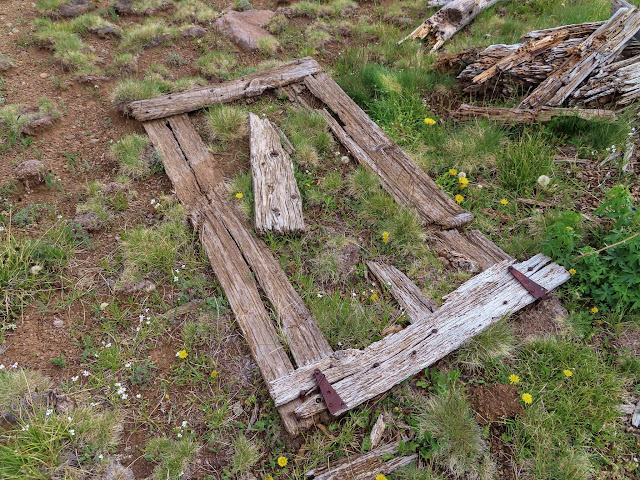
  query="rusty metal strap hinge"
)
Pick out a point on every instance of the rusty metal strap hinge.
point(331, 398)
point(532, 287)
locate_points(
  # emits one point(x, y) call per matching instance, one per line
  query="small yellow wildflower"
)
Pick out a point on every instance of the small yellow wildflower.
point(214, 374)
point(572, 271)
point(514, 379)
point(239, 195)
point(282, 461)
point(182, 354)
point(594, 310)
point(166, 395)
point(567, 373)
point(268, 477)
point(527, 398)
point(599, 322)
point(374, 297)
point(385, 237)
point(569, 228)
point(463, 181)
point(380, 477)
point(504, 201)
point(453, 171)
point(459, 198)
point(429, 121)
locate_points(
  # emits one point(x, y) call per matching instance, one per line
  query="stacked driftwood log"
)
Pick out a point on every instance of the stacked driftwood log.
point(589, 65)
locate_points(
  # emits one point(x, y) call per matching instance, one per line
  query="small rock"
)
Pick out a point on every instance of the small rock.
point(89, 221)
point(113, 187)
point(74, 8)
point(245, 28)
point(5, 65)
point(31, 172)
point(44, 75)
point(105, 32)
point(194, 32)
point(146, 285)
point(58, 323)
point(38, 125)
point(115, 471)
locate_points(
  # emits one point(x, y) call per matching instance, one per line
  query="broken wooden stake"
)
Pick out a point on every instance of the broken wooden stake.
point(444, 24)
point(277, 200)
point(519, 115)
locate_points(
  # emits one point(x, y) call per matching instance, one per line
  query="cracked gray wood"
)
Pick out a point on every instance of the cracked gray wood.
point(370, 146)
point(444, 24)
point(519, 115)
point(247, 86)
point(359, 375)
point(277, 200)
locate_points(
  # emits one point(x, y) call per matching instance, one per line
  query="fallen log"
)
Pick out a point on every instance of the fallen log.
point(277, 200)
point(363, 467)
point(359, 375)
point(519, 115)
point(599, 49)
point(444, 24)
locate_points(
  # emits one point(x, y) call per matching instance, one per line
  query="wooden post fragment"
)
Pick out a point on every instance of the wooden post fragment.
point(359, 375)
point(416, 305)
point(247, 86)
point(599, 49)
point(277, 200)
point(363, 467)
point(444, 24)
point(519, 115)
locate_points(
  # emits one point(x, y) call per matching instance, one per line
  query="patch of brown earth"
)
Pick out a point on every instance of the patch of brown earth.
point(542, 319)
point(496, 402)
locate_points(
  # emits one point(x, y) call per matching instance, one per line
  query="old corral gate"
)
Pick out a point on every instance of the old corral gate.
point(238, 256)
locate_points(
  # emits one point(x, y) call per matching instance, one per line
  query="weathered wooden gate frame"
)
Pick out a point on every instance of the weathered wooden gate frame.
point(239, 257)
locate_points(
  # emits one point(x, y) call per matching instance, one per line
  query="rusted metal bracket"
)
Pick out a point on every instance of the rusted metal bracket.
point(331, 398)
point(532, 287)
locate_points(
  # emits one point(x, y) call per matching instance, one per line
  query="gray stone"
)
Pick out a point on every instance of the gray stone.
point(115, 471)
point(245, 28)
point(89, 221)
point(31, 172)
point(58, 323)
point(74, 8)
point(112, 188)
point(105, 32)
point(5, 65)
point(38, 125)
point(194, 32)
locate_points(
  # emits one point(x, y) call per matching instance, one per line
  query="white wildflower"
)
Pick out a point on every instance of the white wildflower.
point(103, 305)
point(543, 180)
point(36, 269)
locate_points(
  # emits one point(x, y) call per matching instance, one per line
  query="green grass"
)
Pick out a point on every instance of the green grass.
point(152, 85)
point(128, 152)
point(69, 49)
point(493, 344)
point(194, 11)
point(226, 123)
point(171, 456)
point(522, 162)
point(332, 9)
point(217, 64)
point(152, 32)
point(309, 134)
point(268, 46)
point(12, 120)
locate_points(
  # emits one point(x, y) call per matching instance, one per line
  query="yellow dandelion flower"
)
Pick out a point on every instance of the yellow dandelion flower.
point(214, 374)
point(374, 297)
point(239, 195)
point(594, 310)
point(504, 201)
point(527, 398)
point(453, 171)
point(282, 461)
point(268, 477)
point(182, 354)
point(599, 322)
point(166, 395)
point(514, 379)
point(572, 271)
point(569, 228)
point(567, 373)
point(380, 477)
point(459, 198)
point(385, 237)
point(429, 121)
point(463, 180)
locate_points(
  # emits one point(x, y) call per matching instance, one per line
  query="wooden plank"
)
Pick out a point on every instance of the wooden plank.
point(519, 115)
point(359, 375)
point(364, 466)
point(247, 86)
point(277, 200)
point(599, 49)
point(369, 145)
point(225, 257)
point(469, 251)
point(304, 338)
point(416, 304)
point(444, 24)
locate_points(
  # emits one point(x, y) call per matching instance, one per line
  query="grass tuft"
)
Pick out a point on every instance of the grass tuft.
point(226, 123)
point(217, 64)
point(172, 456)
point(128, 153)
point(521, 162)
point(492, 344)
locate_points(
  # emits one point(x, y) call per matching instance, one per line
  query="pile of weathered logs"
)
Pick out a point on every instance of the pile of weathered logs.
point(590, 65)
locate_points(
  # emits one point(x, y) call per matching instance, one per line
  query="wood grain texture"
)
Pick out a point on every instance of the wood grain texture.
point(277, 200)
point(469, 251)
point(416, 304)
point(359, 375)
point(370, 146)
point(247, 86)
point(444, 24)
point(599, 49)
point(519, 115)
point(364, 466)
